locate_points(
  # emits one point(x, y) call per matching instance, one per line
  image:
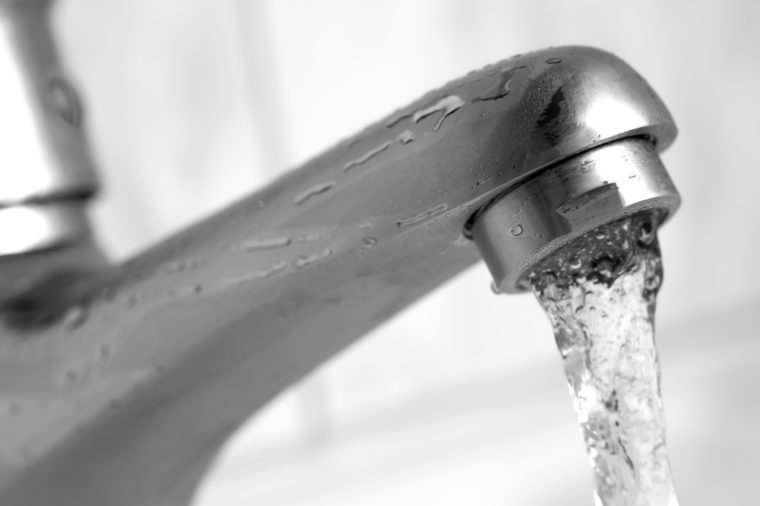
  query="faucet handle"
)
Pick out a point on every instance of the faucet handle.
point(46, 171)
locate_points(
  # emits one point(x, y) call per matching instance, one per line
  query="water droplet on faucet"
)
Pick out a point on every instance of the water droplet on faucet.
point(74, 317)
point(369, 242)
point(304, 261)
point(179, 266)
point(259, 275)
point(266, 243)
point(186, 291)
point(366, 156)
point(501, 87)
point(315, 236)
point(313, 192)
point(446, 106)
point(426, 215)
point(405, 137)
point(397, 119)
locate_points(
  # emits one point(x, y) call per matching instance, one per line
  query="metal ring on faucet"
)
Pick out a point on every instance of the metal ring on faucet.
point(565, 201)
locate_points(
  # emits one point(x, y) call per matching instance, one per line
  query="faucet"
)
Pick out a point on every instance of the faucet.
point(119, 384)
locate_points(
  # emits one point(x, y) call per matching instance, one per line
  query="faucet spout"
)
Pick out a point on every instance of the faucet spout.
point(179, 346)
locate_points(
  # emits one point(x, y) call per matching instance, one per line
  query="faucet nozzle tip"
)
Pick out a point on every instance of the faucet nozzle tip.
point(560, 203)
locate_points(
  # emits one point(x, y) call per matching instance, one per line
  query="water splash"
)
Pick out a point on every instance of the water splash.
point(600, 295)
point(446, 106)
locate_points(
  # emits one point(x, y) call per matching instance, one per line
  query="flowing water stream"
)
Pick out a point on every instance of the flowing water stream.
point(600, 294)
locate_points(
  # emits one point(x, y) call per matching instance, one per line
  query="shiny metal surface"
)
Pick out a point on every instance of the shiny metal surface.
point(561, 203)
point(124, 394)
point(36, 227)
point(44, 155)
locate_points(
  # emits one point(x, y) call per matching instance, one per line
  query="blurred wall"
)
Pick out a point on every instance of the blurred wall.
point(461, 400)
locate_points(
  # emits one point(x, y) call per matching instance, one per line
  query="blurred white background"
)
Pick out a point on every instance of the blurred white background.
point(461, 400)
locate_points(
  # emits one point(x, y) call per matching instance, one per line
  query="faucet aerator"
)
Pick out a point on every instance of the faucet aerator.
point(536, 217)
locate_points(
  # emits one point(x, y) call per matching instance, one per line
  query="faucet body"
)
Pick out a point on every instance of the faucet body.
point(124, 394)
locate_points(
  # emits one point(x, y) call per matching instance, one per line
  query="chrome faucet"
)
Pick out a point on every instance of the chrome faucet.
point(119, 384)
